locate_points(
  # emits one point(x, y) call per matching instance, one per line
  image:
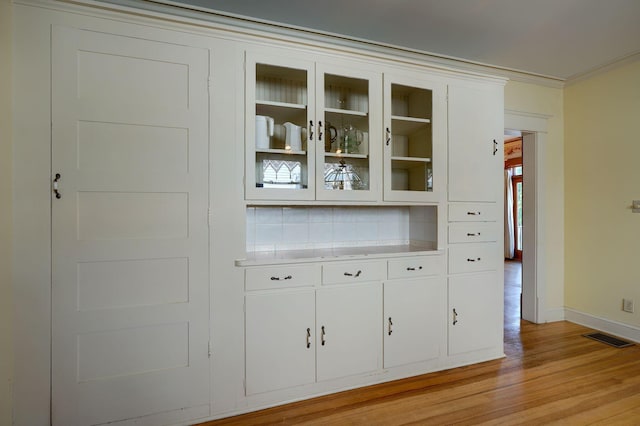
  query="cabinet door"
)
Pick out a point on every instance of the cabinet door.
point(280, 346)
point(348, 330)
point(348, 133)
point(476, 128)
point(413, 320)
point(475, 312)
point(414, 138)
point(280, 110)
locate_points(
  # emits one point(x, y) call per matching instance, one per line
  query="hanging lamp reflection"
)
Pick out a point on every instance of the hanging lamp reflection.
point(342, 176)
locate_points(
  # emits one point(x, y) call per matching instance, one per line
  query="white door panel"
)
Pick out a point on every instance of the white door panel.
point(475, 143)
point(474, 312)
point(280, 340)
point(130, 296)
point(348, 330)
point(413, 314)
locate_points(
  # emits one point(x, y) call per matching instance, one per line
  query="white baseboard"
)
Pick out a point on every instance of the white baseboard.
point(615, 328)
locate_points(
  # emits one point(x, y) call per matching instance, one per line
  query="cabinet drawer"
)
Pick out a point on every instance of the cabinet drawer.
point(472, 212)
point(473, 257)
point(352, 272)
point(473, 232)
point(419, 266)
point(281, 277)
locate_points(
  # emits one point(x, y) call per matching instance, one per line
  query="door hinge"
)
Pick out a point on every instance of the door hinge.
point(209, 218)
point(209, 349)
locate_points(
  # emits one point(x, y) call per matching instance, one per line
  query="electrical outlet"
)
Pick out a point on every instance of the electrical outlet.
point(627, 305)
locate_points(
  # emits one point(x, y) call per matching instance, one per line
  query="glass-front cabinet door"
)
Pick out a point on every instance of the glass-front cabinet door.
point(312, 130)
point(348, 143)
point(414, 139)
point(280, 128)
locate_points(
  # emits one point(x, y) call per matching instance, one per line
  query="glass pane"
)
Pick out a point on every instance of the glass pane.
point(346, 174)
point(411, 139)
point(280, 127)
point(345, 133)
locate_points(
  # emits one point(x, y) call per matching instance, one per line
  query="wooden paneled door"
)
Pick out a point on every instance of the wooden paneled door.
point(130, 292)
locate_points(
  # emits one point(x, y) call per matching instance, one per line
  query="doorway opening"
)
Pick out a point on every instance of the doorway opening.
point(513, 229)
point(533, 129)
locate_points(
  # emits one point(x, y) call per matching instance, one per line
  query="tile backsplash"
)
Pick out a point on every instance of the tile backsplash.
point(296, 228)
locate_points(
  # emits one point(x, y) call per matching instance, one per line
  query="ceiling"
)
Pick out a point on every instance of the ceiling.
point(560, 39)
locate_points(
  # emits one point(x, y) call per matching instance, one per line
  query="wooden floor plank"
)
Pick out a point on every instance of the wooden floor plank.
point(551, 375)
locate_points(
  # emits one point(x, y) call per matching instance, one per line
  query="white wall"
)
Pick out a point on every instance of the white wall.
point(547, 101)
point(6, 305)
point(602, 154)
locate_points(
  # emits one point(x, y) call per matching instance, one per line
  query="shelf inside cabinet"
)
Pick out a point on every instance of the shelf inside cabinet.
point(280, 105)
point(345, 112)
point(341, 155)
point(280, 151)
point(407, 125)
point(282, 111)
point(408, 162)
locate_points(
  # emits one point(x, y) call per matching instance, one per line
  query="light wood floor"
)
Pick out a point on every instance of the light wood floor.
point(551, 375)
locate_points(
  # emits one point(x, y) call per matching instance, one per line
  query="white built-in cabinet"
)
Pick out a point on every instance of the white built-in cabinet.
point(474, 235)
point(321, 125)
point(412, 321)
point(414, 138)
point(309, 129)
point(280, 344)
point(475, 115)
point(315, 322)
point(301, 328)
point(475, 312)
point(333, 131)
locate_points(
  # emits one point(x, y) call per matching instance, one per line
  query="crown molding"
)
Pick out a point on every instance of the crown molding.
point(601, 69)
point(250, 23)
point(242, 26)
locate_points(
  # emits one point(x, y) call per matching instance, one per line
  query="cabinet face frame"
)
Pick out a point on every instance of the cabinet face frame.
point(438, 124)
point(270, 57)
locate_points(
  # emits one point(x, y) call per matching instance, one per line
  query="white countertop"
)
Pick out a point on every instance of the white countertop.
point(264, 258)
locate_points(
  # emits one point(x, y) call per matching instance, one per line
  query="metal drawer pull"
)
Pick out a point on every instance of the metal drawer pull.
point(348, 274)
point(288, 277)
point(308, 338)
point(388, 132)
point(473, 213)
point(455, 316)
point(495, 147)
point(319, 131)
point(55, 186)
point(409, 268)
point(390, 324)
point(473, 260)
point(310, 130)
point(323, 336)
point(470, 234)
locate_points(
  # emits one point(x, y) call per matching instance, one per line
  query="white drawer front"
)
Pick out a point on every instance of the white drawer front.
point(419, 266)
point(472, 212)
point(473, 232)
point(473, 257)
point(353, 272)
point(281, 277)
